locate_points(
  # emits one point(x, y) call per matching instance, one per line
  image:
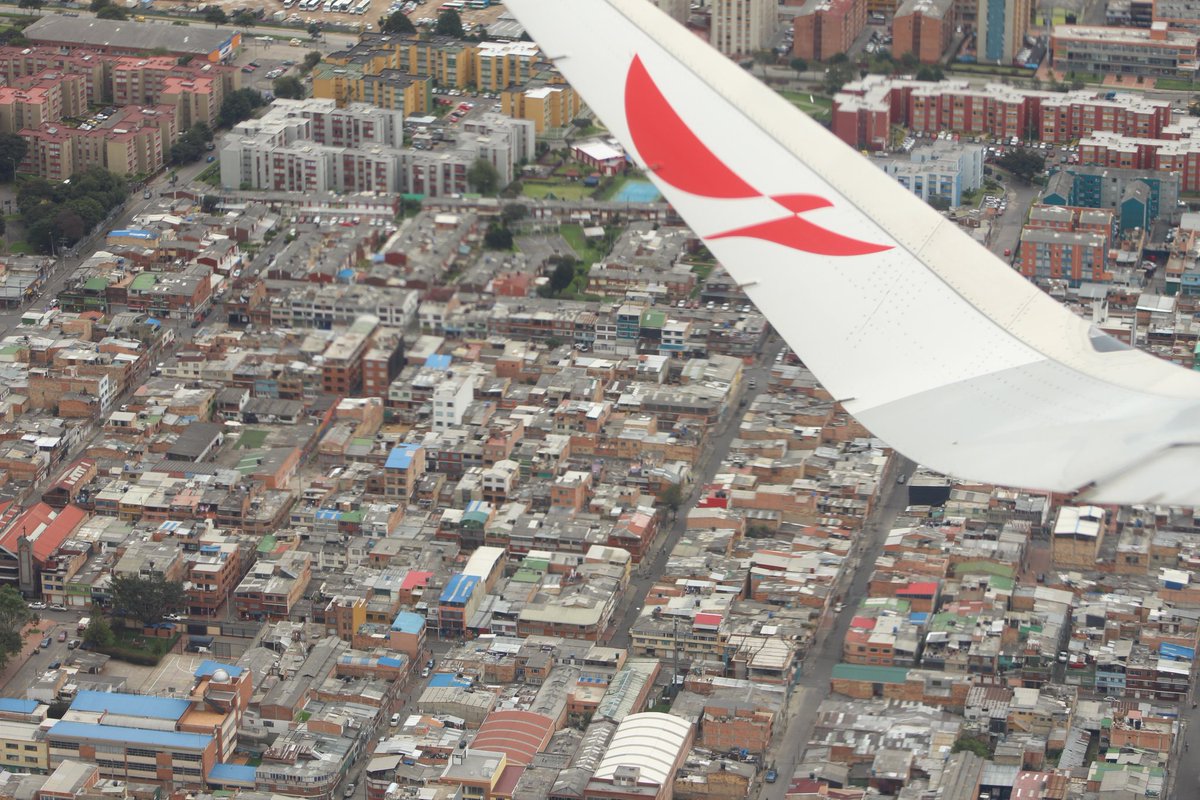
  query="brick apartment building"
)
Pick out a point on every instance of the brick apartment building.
point(864, 112)
point(824, 28)
point(1067, 243)
point(923, 28)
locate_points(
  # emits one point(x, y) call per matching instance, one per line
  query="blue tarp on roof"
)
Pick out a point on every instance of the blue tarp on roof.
point(130, 705)
point(459, 588)
point(208, 667)
point(232, 773)
point(408, 622)
point(444, 679)
point(112, 733)
point(1176, 652)
point(134, 233)
point(438, 361)
point(401, 457)
point(388, 661)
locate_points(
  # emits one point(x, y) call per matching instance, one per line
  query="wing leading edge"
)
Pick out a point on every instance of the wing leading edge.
point(931, 341)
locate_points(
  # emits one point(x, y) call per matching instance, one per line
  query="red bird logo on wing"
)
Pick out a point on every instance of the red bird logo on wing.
point(678, 157)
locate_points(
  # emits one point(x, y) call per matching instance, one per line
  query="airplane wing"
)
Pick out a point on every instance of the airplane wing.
point(933, 343)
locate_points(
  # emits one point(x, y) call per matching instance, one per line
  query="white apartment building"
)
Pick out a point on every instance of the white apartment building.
point(741, 27)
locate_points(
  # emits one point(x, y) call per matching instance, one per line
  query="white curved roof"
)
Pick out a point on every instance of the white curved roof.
point(650, 741)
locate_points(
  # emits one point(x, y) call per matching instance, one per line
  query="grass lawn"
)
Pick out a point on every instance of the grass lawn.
point(22, 248)
point(211, 175)
point(1060, 16)
point(252, 440)
point(1172, 83)
point(588, 254)
point(562, 191)
point(132, 646)
point(703, 271)
point(816, 106)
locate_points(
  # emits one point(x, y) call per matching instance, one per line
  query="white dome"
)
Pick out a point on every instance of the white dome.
point(220, 676)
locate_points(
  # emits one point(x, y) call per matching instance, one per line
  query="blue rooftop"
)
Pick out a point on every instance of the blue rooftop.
point(15, 705)
point(438, 361)
point(444, 679)
point(401, 457)
point(459, 588)
point(408, 622)
point(133, 233)
point(208, 667)
point(128, 736)
point(130, 705)
point(1176, 652)
point(232, 773)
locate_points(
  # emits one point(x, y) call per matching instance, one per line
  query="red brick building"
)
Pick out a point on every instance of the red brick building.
point(824, 28)
point(923, 28)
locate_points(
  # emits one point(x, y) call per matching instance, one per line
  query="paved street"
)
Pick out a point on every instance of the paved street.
point(650, 568)
point(813, 685)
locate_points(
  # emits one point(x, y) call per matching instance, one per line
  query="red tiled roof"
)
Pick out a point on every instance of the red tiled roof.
point(863, 623)
point(922, 589)
point(46, 528)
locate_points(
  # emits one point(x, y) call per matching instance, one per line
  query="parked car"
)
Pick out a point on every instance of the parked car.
point(62, 636)
point(73, 644)
point(771, 776)
point(55, 664)
point(349, 790)
point(46, 642)
point(37, 605)
point(58, 607)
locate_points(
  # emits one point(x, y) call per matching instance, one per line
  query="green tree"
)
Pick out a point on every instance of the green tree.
point(838, 76)
point(909, 61)
point(14, 616)
point(289, 87)
point(31, 3)
point(12, 150)
point(1021, 163)
point(563, 275)
point(99, 634)
point(449, 23)
point(310, 61)
point(209, 203)
point(244, 18)
point(396, 22)
point(671, 498)
point(798, 65)
point(216, 15)
point(96, 5)
point(238, 106)
point(112, 12)
point(147, 600)
point(483, 177)
point(314, 30)
point(513, 213)
point(930, 74)
point(971, 744)
point(498, 237)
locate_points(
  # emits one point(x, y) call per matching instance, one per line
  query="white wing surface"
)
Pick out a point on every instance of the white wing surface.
point(927, 338)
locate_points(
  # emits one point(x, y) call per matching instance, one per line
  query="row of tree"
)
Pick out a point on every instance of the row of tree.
point(60, 214)
point(449, 23)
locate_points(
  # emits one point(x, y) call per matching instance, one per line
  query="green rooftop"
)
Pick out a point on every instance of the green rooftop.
point(866, 672)
point(96, 284)
point(143, 281)
point(983, 568)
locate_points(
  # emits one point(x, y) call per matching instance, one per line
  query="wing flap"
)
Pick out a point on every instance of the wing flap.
point(949, 354)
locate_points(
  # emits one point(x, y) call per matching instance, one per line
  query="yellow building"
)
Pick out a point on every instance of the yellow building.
point(449, 62)
point(366, 81)
point(22, 749)
point(499, 65)
point(547, 106)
